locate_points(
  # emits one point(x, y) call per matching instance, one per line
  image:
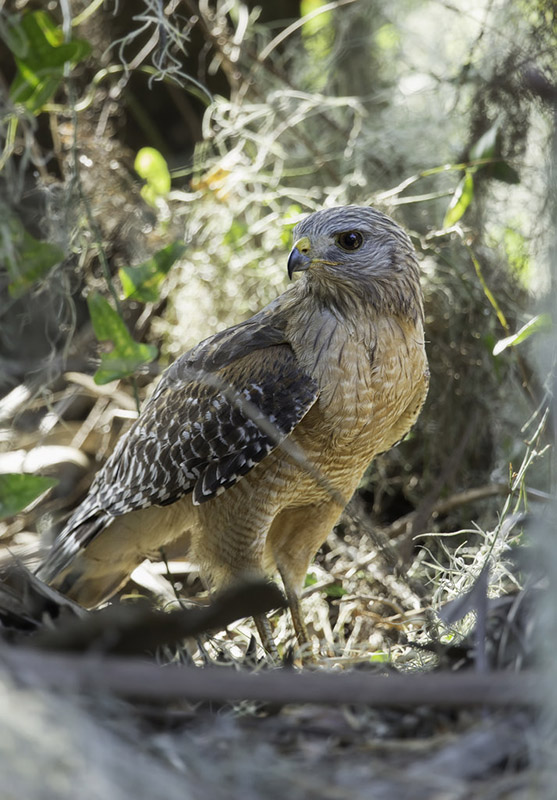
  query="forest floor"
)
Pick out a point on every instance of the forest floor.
point(146, 698)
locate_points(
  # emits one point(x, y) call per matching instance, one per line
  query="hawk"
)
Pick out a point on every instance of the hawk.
point(254, 440)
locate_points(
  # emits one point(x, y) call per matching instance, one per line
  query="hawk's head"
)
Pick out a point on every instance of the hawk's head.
point(356, 252)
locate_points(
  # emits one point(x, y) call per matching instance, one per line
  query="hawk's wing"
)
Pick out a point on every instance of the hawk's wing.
point(203, 430)
point(216, 413)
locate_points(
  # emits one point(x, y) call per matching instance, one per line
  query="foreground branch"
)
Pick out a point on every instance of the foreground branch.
point(141, 679)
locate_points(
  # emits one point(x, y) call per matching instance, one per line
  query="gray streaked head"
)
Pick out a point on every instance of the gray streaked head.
point(357, 252)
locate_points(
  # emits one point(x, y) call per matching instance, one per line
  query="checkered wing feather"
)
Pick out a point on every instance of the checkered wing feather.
point(202, 431)
point(216, 413)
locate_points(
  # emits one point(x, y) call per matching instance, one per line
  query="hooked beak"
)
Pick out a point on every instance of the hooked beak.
point(299, 258)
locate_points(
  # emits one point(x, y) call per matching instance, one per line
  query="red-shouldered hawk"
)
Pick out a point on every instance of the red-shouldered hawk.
point(254, 440)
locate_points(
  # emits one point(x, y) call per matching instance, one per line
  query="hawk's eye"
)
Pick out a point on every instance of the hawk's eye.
point(350, 240)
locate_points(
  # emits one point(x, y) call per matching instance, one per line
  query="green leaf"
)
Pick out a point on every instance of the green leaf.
point(142, 282)
point(486, 145)
point(318, 34)
point(152, 167)
point(541, 322)
point(379, 657)
point(319, 22)
point(335, 590)
point(26, 258)
point(127, 355)
point(41, 54)
point(17, 491)
point(460, 200)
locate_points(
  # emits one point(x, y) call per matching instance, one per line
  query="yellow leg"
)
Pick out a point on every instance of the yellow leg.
point(295, 536)
point(295, 607)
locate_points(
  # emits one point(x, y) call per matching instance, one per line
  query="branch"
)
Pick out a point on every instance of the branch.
point(128, 629)
point(141, 679)
point(402, 524)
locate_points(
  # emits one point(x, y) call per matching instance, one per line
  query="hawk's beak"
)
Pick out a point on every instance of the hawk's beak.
point(299, 258)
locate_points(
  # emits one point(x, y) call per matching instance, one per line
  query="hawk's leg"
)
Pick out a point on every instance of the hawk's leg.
point(295, 536)
point(295, 611)
point(266, 635)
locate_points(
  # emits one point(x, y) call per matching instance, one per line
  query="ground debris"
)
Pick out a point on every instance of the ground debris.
point(111, 748)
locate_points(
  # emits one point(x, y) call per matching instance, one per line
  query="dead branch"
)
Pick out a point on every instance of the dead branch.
point(403, 524)
point(135, 628)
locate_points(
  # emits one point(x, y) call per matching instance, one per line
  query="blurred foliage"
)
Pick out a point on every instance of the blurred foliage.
point(143, 282)
point(539, 323)
point(461, 199)
point(41, 53)
point(150, 165)
point(26, 259)
point(127, 355)
point(18, 491)
point(318, 35)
